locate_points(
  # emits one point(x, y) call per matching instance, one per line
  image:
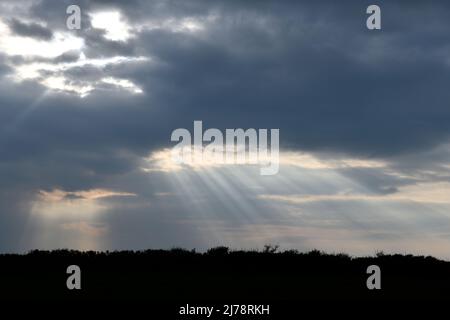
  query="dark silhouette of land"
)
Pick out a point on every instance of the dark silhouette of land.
point(221, 276)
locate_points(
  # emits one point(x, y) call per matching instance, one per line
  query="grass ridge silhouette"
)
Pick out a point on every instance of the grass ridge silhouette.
point(221, 274)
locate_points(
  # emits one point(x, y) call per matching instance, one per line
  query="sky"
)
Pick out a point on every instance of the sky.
point(86, 118)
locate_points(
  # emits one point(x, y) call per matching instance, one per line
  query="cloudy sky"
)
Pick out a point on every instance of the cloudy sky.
point(86, 118)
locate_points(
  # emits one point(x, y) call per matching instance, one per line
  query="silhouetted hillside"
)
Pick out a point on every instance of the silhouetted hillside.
point(220, 276)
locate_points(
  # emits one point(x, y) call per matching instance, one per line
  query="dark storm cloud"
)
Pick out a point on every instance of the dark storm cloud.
point(321, 91)
point(291, 65)
point(4, 68)
point(270, 65)
point(32, 30)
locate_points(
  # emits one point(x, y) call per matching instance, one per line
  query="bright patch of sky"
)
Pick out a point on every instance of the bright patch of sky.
point(51, 74)
point(116, 29)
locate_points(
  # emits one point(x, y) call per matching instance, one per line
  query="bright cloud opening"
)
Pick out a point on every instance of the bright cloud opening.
point(59, 82)
point(25, 46)
point(116, 29)
point(123, 83)
point(164, 160)
point(73, 204)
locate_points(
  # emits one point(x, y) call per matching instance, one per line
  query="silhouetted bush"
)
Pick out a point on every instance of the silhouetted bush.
point(218, 251)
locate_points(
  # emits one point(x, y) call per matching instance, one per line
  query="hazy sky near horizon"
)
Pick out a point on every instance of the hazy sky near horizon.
point(86, 117)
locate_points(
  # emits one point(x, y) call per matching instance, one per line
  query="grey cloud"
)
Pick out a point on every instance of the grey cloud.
point(32, 30)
